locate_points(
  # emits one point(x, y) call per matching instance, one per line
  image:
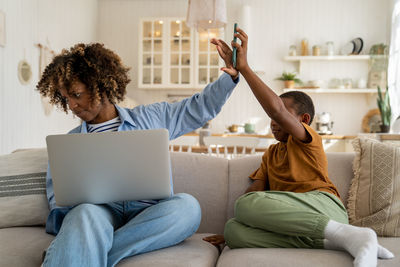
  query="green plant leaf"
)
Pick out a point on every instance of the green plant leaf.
point(287, 76)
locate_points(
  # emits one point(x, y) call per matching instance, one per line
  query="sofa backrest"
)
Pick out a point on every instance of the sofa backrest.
point(218, 182)
point(340, 169)
point(206, 178)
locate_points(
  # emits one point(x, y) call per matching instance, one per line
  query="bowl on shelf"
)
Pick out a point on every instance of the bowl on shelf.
point(316, 83)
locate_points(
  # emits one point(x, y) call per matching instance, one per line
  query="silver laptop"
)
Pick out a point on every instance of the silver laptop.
point(107, 167)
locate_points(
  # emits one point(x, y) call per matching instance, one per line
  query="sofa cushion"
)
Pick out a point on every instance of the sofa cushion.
point(374, 197)
point(277, 257)
point(191, 252)
point(23, 199)
point(205, 178)
point(23, 247)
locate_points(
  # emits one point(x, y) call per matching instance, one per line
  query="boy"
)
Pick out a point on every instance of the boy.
point(301, 207)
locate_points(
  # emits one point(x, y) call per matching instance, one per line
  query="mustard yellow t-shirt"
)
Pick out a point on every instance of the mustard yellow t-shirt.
point(296, 166)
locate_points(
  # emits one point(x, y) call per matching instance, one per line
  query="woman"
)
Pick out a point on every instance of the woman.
point(89, 80)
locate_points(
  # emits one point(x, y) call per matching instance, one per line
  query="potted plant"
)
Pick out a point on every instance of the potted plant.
point(385, 109)
point(289, 78)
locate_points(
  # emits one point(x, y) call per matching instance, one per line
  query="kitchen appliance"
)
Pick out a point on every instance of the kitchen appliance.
point(323, 123)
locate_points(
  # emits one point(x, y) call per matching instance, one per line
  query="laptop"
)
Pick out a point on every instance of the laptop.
point(108, 167)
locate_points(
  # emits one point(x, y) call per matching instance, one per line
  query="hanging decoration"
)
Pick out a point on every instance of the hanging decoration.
point(45, 57)
point(206, 14)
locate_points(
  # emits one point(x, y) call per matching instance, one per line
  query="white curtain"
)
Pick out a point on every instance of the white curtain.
point(394, 62)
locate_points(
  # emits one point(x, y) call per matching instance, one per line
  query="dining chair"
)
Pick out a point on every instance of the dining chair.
point(183, 142)
point(230, 145)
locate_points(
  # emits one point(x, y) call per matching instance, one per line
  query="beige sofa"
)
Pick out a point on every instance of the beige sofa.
point(216, 183)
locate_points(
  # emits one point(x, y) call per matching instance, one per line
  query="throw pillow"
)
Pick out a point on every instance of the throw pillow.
point(374, 196)
point(23, 200)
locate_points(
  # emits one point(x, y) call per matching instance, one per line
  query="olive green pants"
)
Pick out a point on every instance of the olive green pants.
point(277, 219)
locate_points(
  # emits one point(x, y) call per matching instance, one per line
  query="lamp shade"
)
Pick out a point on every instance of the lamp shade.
point(206, 14)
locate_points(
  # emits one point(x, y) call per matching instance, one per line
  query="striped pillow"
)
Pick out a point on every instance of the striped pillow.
point(23, 199)
point(24, 184)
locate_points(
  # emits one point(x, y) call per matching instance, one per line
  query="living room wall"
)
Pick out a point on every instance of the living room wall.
point(274, 26)
point(54, 23)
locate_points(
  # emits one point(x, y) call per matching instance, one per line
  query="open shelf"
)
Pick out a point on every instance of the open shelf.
point(308, 58)
point(334, 90)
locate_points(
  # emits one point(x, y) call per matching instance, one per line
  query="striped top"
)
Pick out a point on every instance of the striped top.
point(107, 126)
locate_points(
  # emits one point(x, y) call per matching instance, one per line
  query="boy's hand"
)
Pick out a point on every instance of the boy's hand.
point(226, 54)
point(216, 240)
point(257, 185)
point(241, 53)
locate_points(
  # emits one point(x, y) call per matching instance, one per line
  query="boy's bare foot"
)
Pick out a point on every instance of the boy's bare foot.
point(216, 240)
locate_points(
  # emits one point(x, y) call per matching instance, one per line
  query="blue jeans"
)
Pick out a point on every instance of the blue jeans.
point(102, 235)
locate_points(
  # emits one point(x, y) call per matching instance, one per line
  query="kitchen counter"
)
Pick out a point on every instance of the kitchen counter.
point(331, 143)
point(339, 137)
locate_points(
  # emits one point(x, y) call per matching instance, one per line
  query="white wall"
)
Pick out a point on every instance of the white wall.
point(28, 22)
point(118, 29)
point(275, 25)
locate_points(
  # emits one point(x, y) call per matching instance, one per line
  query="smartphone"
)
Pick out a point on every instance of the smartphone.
point(234, 49)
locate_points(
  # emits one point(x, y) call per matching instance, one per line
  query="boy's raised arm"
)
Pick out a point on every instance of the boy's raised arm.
point(271, 103)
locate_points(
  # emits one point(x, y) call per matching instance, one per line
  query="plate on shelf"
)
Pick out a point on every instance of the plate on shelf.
point(359, 43)
point(348, 49)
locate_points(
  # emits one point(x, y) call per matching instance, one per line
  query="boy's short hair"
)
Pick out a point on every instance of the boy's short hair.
point(303, 103)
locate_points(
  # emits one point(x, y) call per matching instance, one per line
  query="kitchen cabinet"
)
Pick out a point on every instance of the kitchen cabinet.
point(174, 56)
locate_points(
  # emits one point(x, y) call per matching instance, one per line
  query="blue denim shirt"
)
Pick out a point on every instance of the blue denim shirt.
point(178, 118)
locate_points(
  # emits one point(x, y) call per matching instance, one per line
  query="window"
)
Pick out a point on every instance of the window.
point(394, 62)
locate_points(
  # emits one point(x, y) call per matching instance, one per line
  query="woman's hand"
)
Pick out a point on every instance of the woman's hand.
point(226, 54)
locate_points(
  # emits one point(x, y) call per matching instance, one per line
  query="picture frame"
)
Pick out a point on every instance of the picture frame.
point(2, 28)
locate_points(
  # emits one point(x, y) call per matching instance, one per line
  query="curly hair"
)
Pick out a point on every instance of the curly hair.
point(99, 68)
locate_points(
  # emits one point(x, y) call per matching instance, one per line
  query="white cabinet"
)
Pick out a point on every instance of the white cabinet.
point(173, 56)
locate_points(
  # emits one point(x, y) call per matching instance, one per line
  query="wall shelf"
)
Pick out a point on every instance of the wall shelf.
point(309, 58)
point(334, 90)
point(301, 59)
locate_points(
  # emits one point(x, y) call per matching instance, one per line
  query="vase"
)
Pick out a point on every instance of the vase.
point(385, 128)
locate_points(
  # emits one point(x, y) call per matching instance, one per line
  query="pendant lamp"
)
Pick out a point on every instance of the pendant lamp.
point(206, 14)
